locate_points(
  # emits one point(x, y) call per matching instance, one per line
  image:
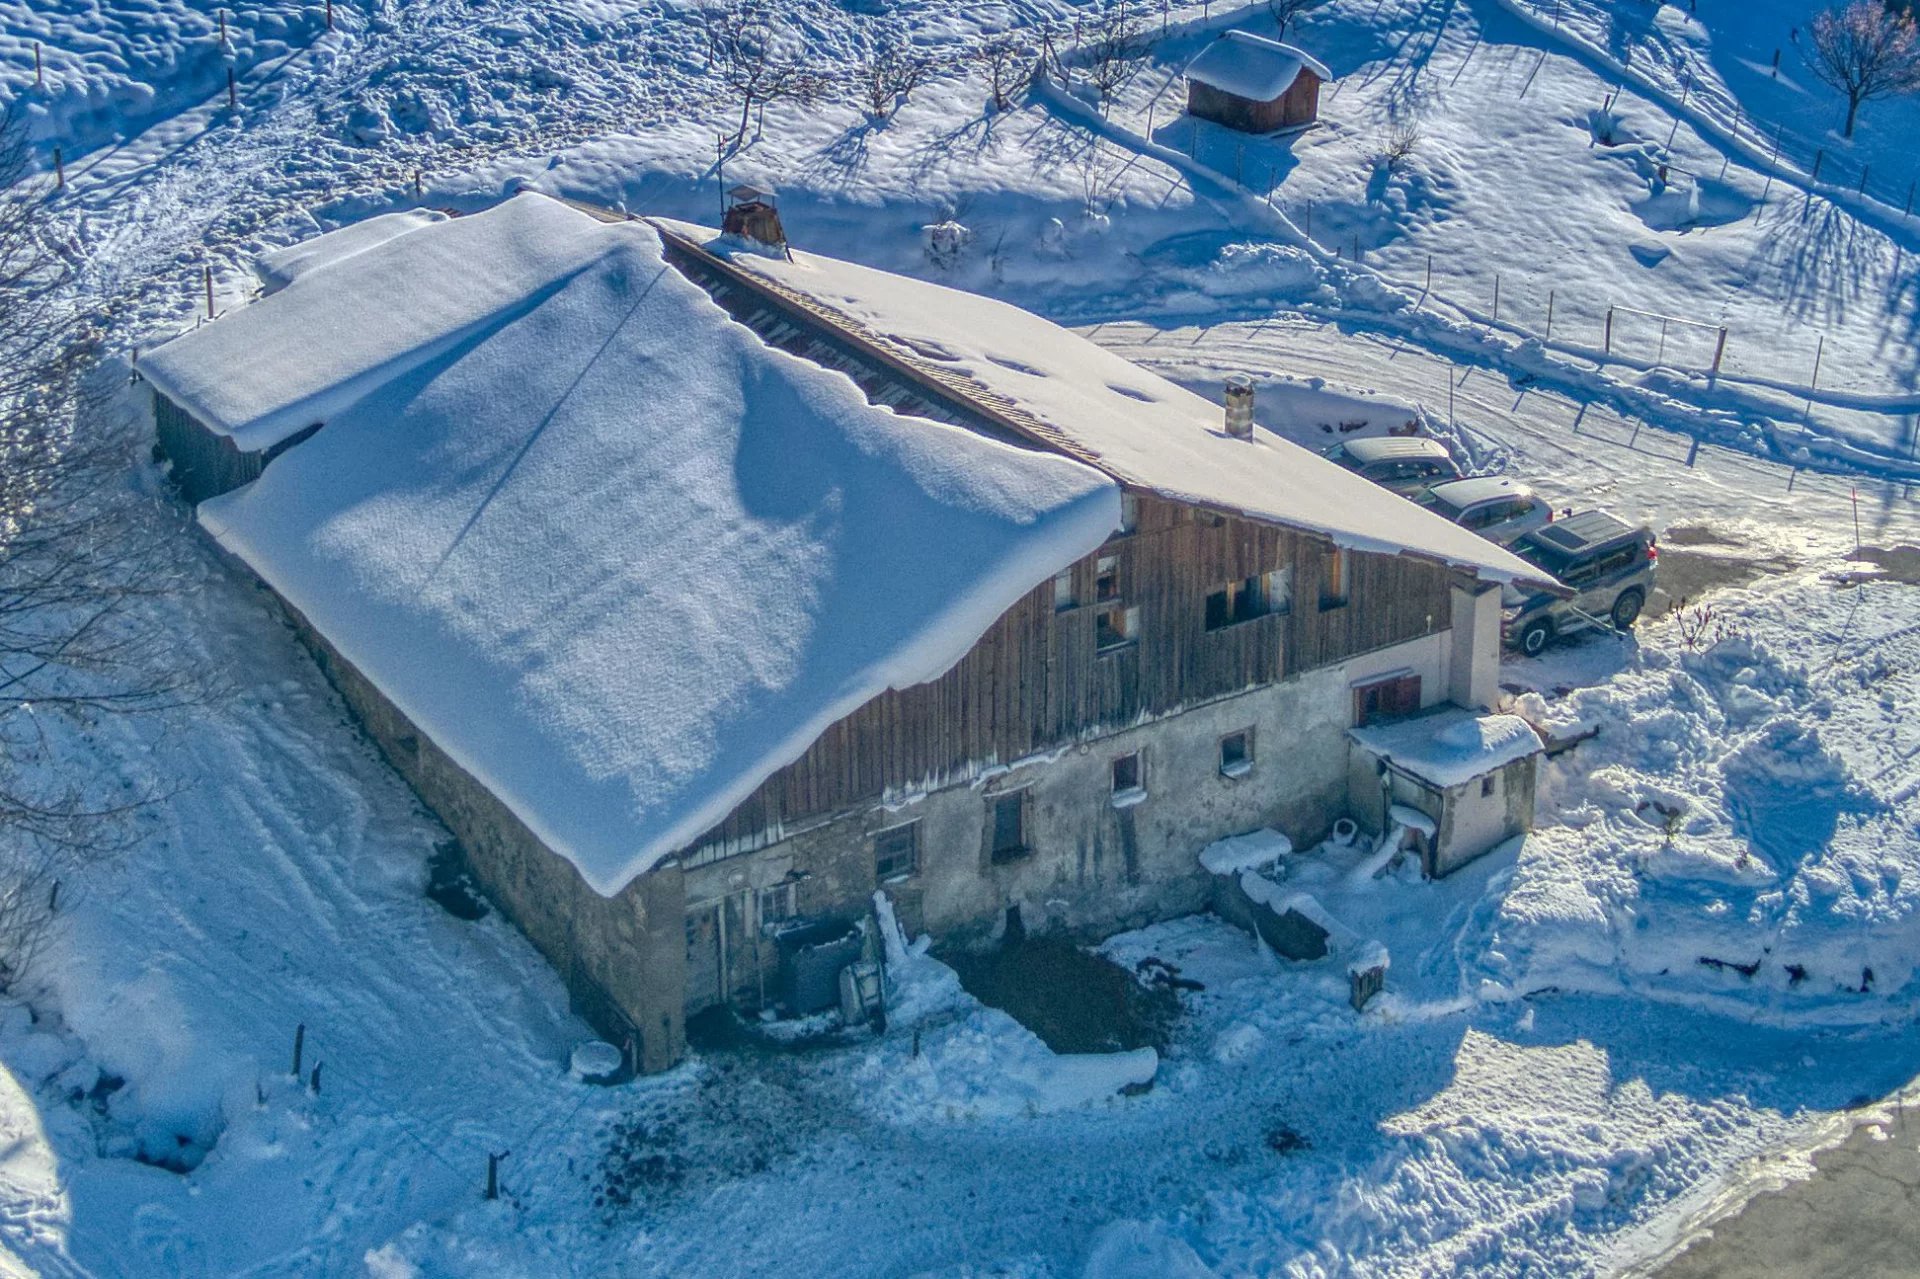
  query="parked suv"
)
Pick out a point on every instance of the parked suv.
point(1497, 508)
point(1607, 563)
point(1406, 464)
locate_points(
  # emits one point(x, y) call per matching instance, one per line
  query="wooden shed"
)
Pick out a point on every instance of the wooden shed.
point(1253, 84)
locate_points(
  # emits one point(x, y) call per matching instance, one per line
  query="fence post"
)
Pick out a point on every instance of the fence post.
point(39, 74)
point(1496, 299)
point(1864, 170)
point(1908, 211)
point(1607, 345)
point(1719, 350)
point(1661, 353)
point(1150, 107)
point(1819, 157)
point(329, 15)
point(416, 184)
point(233, 100)
point(223, 26)
point(207, 276)
point(1819, 349)
point(1428, 287)
point(1549, 334)
point(1772, 164)
point(59, 171)
point(299, 1042)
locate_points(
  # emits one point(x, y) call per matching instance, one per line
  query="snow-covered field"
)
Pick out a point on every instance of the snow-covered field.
point(1580, 1043)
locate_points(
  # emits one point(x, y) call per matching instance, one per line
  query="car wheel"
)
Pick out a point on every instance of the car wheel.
point(1626, 608)
point(1534, 640)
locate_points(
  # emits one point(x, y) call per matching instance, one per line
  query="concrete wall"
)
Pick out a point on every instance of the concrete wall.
point(1477, 823)
point(623, 958)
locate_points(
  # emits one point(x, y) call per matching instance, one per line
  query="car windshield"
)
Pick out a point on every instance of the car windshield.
point(1431, 498)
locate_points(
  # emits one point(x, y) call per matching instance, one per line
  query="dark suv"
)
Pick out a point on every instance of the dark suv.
point(1607, 563)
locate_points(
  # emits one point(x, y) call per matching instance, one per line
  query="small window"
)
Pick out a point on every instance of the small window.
point(1129, 512)
point(1333, 578)
point(1236, 753)
point(1388, 698)
point(1115, 628)
point(1010, 826)
point(1250, 598)
point(896, 852)
point(1127, 777)
point(1486, 785)
point(1063, 591)
point(1106, 581)
point(777, 904)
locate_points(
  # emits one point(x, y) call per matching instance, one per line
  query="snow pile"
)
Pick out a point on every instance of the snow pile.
point(1450, 747)
point(617, 557)
point(969, 1061)
point(1739, 834)
point(1255, 850)
point(1142, 1250)
point(1135, 425)
point(1251, 66)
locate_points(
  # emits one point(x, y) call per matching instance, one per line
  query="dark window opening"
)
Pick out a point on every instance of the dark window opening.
point(896, 852)
point(1115, 627)
point(1389, 698)
point(1333, 579)
point(1486, 785)
point(1236, 753)
point(1250, 598)
point(1127, 775)
point(1010, 827)
point(1106, 582)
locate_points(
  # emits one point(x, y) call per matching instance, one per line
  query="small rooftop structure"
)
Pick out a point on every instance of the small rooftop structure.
point(1256, 85)
point(1471, 775)
point(751, 213)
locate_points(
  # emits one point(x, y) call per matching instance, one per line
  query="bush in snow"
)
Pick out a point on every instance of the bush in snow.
point(1116, 46)
point(889, 73)
point(947, 243)
point(756, 59)
point(1010, 64)
point(1397, 149)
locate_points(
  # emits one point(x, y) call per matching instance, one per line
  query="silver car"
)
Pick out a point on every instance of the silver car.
point(1404, 464)
point(1608, 564)
point(1497, 508)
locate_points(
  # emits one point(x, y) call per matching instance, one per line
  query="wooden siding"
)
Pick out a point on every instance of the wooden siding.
point(1035, 680)
point(204, 464)
point(1299, 105)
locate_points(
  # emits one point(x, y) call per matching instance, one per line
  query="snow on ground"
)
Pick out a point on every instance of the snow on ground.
point(1460, 1124)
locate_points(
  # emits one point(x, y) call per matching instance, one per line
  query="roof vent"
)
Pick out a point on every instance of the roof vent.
point(750, 213)
point(1240, 407)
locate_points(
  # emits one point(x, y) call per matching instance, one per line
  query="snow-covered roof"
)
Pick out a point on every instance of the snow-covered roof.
point(1251, 66)
point(278, 268)
point(298, 356)
point(1136, 426)
point(611, 552)
point(1450, 747)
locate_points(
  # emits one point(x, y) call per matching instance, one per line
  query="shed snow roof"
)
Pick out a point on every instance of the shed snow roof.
point(1135, 425)
point(1450, 747)
point(1251, 66)
point(611, 552)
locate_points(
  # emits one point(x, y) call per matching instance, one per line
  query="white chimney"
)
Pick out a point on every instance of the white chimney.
point(1240, 406)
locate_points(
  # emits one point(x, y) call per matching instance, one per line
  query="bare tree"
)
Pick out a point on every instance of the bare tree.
point(1117, 44)
point(1285, 11)
point(755, 57)
point(1865, 50)
point(1009, 63)
point(889, 73)
point(79, 550)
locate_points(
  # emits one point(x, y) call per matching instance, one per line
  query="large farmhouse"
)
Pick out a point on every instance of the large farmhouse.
point(701, 590)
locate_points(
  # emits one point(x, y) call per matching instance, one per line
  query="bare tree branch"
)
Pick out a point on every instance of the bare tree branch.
point(756, 59)
point(1865, 50)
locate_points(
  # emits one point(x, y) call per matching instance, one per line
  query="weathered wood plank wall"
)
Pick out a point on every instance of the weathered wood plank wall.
point(1035, 679)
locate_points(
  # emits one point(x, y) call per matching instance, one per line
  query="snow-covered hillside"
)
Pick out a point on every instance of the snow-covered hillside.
point(1580, 1042)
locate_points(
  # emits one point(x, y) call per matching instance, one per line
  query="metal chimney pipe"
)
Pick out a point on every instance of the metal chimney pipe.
point(1240, 407)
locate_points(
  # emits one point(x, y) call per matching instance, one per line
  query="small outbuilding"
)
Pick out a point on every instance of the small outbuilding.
point(1256, 85)
point(1462, 781)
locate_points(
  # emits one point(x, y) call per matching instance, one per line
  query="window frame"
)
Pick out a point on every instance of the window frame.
point(912, 831)
point(1120, 796)
point(997, 853)
point(1116, 639)
point(1235, 769)
point(1408, 693)
point(1065, 597)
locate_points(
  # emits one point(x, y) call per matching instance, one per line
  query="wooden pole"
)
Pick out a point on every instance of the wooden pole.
point(329, 15)
point(223, 26)
point(1496, 297)
point(313, 1082)
point(39, 73)
point(493, 1172)
point(1607, 345)
point(233, 100)
point(1428, 287)
point(1819, 349)
point(59, 171)
point(1661, 354)
point(1819, 157)
point(1548, 337)
point(417, 189)
point(1908, 211)
point(1719, 350)
point(1864, 170)
point(299, 1042)
point(207, 276)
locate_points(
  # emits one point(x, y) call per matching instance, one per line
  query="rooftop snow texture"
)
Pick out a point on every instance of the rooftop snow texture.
point(617, 557)
point(1251, 66)
point(1137, 426)
point(281, 267)
point(1450, 747)
point(299, 356)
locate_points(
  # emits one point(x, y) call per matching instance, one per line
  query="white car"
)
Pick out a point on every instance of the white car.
point(1497, 508)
